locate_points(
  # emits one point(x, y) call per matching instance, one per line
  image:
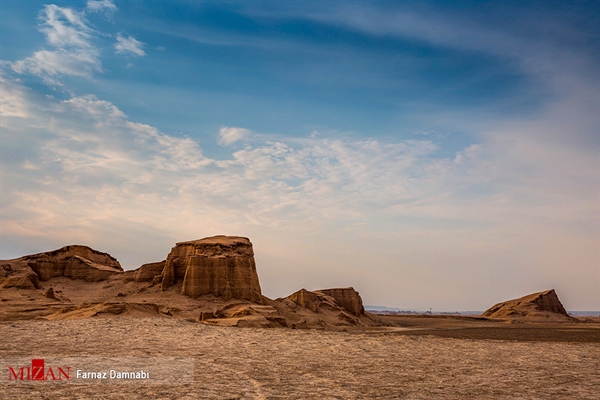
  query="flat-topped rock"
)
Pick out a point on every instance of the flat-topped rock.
point(223, 266)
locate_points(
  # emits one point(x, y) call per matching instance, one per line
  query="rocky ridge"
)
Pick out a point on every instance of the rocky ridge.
point(213, 280)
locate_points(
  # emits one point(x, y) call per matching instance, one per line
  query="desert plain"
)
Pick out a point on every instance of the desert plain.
point(279, 363)
point(203, 306)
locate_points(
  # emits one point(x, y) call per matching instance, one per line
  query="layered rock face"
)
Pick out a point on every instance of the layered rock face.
point(537, 305)
point(306, 299)
point(76, 262)
point(84, 252)
point(149, 272)
point(347, 298)
point(220, 265)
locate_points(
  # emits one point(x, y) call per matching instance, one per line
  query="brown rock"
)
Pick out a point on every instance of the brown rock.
point(79, 268)
point(306, 299)
point(542, 305)
point(50, 294)
point(347, 298)
point(78, 262)
point(220, 265)
point(21, 281)
point(147, 272)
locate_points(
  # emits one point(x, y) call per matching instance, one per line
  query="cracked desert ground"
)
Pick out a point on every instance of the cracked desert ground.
point(255, 363)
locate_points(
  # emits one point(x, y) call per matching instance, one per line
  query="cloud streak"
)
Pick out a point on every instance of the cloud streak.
point(67, 30)
point(101, 6)
point(129, 45)
point(92, 171)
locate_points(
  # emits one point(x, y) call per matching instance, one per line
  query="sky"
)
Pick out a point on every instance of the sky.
point(429, 154)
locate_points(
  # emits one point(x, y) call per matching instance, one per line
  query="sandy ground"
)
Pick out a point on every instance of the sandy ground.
point(235, 363)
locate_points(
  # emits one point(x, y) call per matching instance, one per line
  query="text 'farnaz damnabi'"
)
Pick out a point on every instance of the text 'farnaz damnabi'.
point(112, 374)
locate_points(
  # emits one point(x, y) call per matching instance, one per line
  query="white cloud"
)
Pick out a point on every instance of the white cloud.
point(13, 101)
point(81, 171)
point(50, 64)
point(507, 213)
point(129, 45)
point(67, 30)
point(229, 135)
point(64, 27)
point(101, 5)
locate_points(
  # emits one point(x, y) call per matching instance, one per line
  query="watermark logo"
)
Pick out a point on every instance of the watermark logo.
point(97, 370)
point(38, 371)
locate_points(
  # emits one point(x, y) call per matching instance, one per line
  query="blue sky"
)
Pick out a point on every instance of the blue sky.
point(421, 150)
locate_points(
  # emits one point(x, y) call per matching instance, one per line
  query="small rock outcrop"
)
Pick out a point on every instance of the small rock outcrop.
point(306, 299)
point(326, 307)
point(50, 294)
point(347, 298)
point(223, 266)
point(148, 272)
point(542, 305)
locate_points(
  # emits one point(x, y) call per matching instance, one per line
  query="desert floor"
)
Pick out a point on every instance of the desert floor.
point(438, 360)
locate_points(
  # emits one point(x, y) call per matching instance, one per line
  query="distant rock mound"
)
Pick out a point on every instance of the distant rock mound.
point(324, 309)
point(347, 299)
point(223, 266)
point(542, 305)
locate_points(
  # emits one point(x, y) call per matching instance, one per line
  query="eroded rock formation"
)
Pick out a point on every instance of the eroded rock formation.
point(76, 262)
point(347, 298)
point(149, 272)
point(220, 265)
point(306, 299)
point(542, 305)
point(213, 280)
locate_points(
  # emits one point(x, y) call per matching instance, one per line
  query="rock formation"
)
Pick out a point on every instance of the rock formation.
point(212, 280)
point(347, 298)
point(220, 265)
point(306, 299)
point(324, 309)
point(149, 272)
point(542, 305)
point(76, 262)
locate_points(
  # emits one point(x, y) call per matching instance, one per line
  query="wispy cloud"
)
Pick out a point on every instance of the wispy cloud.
point(50, 64)
point(66, 30)
point(92, 171)
point(101, 6)
point(229, 135)
point(13, 101)
point(64, 27)
point(129, 45)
